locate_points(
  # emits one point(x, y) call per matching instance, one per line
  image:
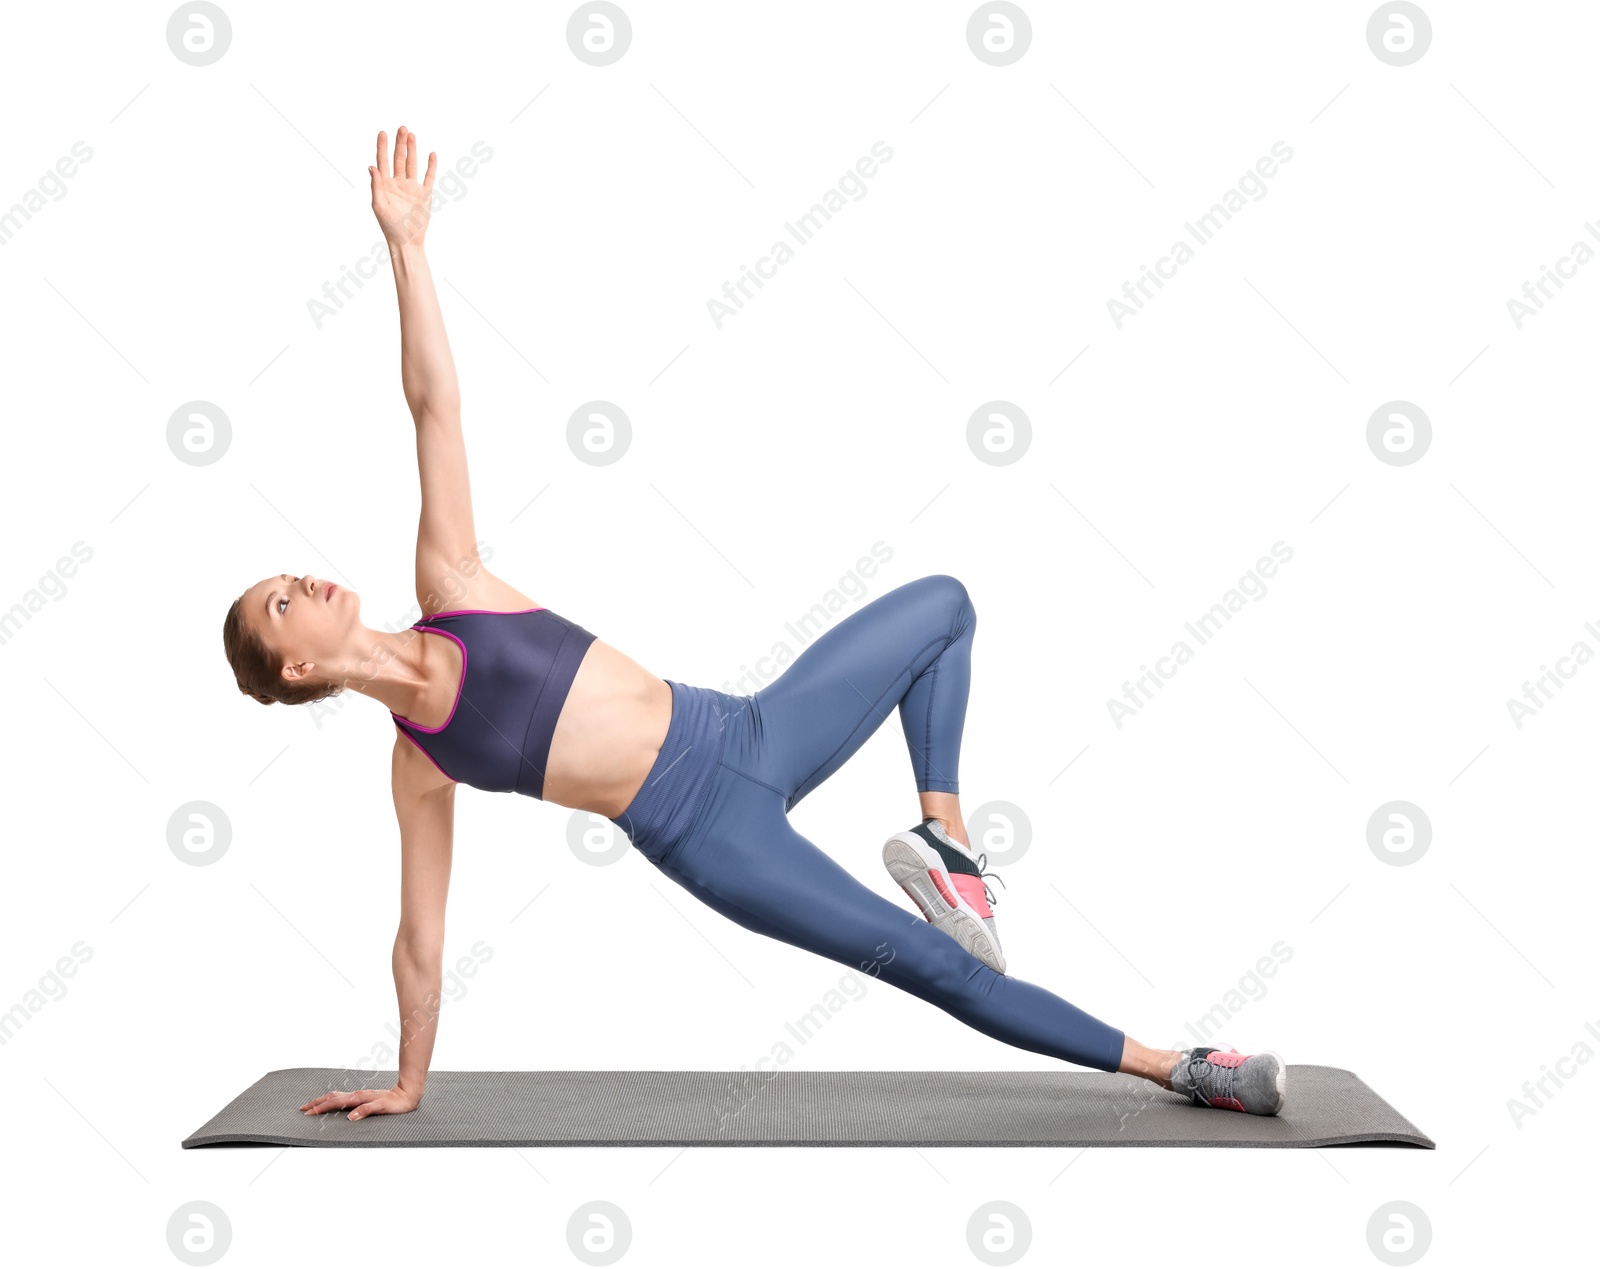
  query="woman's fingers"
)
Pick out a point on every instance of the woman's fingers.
point(390, 1103)
point(404, 166)
point(366, 1101)
point(340, 1100)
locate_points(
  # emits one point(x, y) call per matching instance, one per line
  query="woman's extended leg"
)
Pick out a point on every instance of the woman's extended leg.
point(749, 863)
point(911, 649)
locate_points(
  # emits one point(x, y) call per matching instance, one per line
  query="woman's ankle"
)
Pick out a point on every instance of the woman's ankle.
point(955, 830)
point(1154, 1065)
point(946, 808)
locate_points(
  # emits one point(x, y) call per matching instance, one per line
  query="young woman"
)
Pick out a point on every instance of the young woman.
point(503, 694)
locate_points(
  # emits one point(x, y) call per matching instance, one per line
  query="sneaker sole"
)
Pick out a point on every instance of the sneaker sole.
point(909, 866)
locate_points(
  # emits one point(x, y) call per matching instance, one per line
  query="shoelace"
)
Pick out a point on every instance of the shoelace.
point(1222, 1075)
point(1222, 1080)
point(988, 894)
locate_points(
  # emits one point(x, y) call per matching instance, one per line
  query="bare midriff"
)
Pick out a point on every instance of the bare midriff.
point(608, 733)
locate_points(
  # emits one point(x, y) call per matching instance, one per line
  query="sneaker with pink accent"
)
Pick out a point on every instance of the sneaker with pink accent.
point(945, 880)
point(1256, 1083)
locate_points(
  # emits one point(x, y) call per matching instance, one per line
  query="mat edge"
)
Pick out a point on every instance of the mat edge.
point(260, 1139)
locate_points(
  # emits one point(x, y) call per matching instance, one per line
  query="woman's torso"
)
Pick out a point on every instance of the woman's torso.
point(607, 729)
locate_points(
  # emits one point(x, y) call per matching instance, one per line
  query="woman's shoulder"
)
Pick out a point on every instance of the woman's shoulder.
point(456, 591)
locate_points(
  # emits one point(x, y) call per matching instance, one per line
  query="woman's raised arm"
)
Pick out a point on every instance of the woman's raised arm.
point(403, 207)
point(446, 534)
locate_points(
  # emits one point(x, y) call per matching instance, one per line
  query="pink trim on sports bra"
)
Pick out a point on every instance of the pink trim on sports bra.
point(426, 754)
point(487, 612)
point(460, 687)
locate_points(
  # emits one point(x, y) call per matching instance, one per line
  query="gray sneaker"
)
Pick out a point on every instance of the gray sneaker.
point(1255, 1083)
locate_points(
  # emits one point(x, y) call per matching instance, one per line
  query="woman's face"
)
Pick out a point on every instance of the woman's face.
point(303, 619)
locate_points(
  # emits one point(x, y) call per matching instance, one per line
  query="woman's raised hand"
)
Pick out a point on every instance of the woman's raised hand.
point(401, 205)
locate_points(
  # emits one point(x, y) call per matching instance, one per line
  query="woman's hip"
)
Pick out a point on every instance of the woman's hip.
point(675, 791)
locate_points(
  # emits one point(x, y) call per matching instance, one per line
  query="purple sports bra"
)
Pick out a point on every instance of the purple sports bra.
point(516, 671)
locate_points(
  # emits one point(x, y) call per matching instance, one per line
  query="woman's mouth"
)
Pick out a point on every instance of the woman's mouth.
point(327, 596)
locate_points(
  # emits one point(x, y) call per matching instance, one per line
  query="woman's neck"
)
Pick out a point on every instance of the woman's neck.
point(395, 670)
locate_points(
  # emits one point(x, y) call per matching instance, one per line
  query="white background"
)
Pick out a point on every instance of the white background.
point(767, 458)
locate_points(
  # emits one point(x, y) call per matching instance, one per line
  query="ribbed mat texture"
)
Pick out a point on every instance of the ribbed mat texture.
point(1326, 1107)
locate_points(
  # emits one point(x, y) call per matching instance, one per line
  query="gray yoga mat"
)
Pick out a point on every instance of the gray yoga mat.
point(1326, 1107)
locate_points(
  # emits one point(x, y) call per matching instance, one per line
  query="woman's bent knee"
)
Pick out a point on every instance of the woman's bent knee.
point(952, 594)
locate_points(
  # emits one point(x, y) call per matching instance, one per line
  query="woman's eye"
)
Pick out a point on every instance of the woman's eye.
point(282, 600)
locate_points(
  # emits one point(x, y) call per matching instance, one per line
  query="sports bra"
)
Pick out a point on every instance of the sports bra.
point(516, 671)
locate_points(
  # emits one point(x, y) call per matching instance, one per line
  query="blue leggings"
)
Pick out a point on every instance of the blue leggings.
point(713, 812)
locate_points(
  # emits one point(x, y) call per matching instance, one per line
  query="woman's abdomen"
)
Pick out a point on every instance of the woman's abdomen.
point(608, 733)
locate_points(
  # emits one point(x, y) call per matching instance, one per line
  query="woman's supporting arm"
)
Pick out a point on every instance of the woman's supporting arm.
point(418, 980)
point(424, 804)
point(418, 977)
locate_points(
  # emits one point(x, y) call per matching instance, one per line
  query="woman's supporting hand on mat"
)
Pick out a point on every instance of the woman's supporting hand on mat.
point(401, 205)
point(367, 1101)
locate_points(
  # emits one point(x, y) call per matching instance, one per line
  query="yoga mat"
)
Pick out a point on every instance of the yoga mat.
point(1326, 1107)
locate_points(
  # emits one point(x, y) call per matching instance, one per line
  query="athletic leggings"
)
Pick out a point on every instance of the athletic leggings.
point(713, 812)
